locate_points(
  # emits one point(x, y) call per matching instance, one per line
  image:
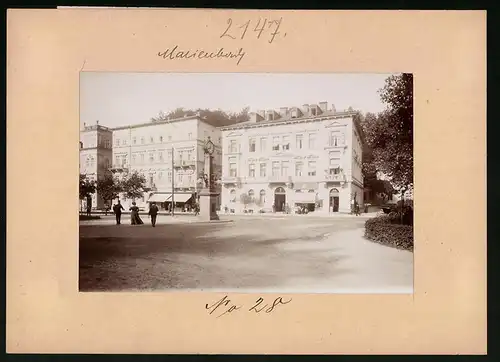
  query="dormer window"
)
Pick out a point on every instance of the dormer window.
point(294, 113)
point(313, 111)
point(269, 116)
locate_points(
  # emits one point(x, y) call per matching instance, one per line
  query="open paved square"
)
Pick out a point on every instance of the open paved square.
point(241, 254)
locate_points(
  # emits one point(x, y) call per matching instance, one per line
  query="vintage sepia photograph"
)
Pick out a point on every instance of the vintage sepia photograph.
point(246, 182)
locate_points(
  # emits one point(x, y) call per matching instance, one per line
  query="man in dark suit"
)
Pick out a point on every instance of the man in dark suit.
point(117, 209)
point(153, 212)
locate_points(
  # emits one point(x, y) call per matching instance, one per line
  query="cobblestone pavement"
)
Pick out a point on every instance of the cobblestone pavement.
point(249, 254)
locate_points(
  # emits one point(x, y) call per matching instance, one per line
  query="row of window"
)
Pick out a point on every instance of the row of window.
point(181, 179)
point(142, 140)
point(336, 138)
point(281, 168)
point(251, 193)
point(155, 157)
point(91, 162)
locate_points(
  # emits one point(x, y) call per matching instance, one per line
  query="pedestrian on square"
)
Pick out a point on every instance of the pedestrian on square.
point(135, 219)
point(117, 209)
point(153, 212)
point(89, 209)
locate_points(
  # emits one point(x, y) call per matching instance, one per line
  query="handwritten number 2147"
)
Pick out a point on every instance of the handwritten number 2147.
point(259, 29)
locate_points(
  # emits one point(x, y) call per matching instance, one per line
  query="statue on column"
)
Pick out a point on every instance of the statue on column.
point(208, 195)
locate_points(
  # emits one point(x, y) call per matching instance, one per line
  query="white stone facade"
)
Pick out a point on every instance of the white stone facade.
point(310, 156)
point(95, 157)
point(162, 151)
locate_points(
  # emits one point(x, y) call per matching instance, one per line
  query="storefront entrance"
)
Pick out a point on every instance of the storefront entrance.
point(279, 199)
point(334, 200)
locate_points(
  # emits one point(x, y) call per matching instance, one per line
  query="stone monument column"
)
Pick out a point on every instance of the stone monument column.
point(208, 193)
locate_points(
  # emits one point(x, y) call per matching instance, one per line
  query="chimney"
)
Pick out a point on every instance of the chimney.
point(84, 124)
point(323, 106)
point(284, 111)
point(261, 113)
point(253, 117)
point(333, 108)
point(270, 115)
point(305, 107)
point(97, 122)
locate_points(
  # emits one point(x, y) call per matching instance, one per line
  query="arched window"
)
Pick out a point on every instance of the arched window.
point(262, 196)
point(334, 192)
point(251, 193)
point(232, 196)
point(280, 191)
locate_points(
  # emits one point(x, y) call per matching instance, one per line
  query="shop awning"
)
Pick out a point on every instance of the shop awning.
point(159, 197)
point(181, 197)
point(305, 197)
point(305, 186)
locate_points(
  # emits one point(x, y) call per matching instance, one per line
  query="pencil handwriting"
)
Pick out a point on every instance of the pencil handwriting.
point(177, 53)
point(264, 28)
point(225, 306)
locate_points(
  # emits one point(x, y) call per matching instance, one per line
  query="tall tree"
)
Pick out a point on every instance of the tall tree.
point(87, 187)
point(390, 135)
point(133, 185)
point(246, 199)
point(108, 188)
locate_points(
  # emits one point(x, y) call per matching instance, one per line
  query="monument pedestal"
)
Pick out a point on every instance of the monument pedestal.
point(208, 205)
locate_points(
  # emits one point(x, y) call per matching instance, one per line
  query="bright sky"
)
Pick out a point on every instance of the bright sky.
point(120, 99)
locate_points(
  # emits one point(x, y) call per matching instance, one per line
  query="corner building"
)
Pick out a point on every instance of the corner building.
point(95, 156)
point(300, 156)
point(165, 152)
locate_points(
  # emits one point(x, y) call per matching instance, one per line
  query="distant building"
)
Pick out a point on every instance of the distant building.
point(95, 156)
point(396, 196)
point(300, 156)
point(165, 151)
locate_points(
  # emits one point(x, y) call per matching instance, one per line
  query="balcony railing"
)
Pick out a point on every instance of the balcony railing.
point(184, 163)
point(231, 180)
point(280, 178)
point(334, 177)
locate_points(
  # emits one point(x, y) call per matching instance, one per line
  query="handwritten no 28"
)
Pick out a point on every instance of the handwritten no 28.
point(262, 26)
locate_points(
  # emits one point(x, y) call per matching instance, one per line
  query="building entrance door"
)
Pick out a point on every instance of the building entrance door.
point(334, 200)
point(279, 199)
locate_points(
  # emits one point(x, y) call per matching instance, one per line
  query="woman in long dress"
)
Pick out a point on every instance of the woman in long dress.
point(134, 215)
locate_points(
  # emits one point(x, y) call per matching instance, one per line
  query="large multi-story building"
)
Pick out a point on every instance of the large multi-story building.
point(95, 156)
point(300, 156)
point(167, 153)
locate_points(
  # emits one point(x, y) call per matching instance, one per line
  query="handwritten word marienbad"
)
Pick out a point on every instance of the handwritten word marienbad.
point(175, 53)
point(265, 28)
point(225, 306)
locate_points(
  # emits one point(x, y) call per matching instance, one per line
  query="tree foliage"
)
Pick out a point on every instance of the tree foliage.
point(389, 135)
point(108, 188)
point(216, 118)
point(87, 187)
point(133, 185)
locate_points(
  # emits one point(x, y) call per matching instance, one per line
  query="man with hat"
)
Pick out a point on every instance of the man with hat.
point(153, 212)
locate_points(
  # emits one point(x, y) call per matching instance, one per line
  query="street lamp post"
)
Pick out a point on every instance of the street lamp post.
point(208, 194)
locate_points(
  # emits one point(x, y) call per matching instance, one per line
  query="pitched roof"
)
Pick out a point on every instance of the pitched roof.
point(288, 118)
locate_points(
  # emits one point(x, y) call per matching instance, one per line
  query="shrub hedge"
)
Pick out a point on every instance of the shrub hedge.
point(382, 229)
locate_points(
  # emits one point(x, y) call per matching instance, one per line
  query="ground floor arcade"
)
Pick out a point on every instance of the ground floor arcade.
point(321, 197)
